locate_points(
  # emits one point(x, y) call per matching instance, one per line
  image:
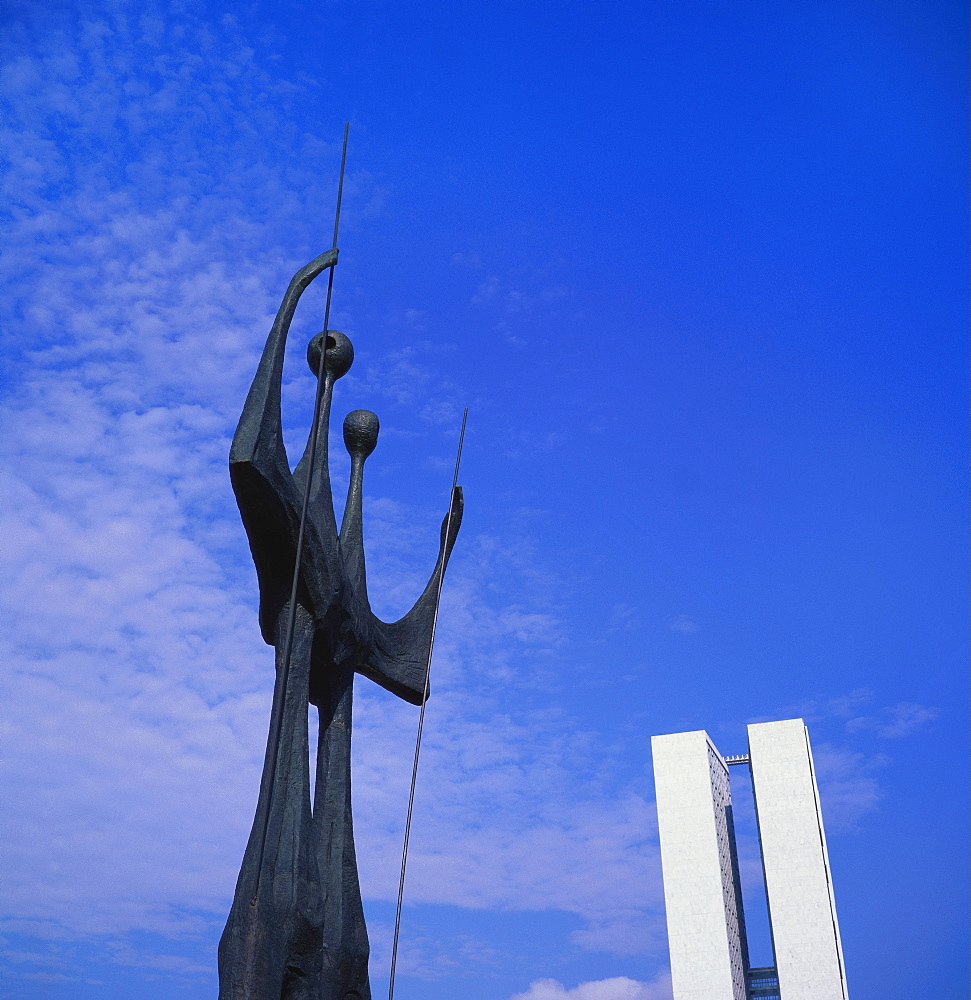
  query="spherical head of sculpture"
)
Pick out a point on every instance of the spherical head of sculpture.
point(361, 433)
point(339, 354)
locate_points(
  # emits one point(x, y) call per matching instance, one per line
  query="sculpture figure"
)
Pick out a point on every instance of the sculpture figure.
point(296, 928)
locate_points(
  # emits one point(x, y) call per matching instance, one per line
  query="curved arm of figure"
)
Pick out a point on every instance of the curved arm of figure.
point(265, 492)
point(398, 654)
point(258, 437)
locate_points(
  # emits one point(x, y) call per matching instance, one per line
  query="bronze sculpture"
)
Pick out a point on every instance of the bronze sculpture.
point(296, 928)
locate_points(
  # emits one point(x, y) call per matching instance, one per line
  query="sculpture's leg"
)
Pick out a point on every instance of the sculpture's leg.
point(344, 975)
point(270, 948)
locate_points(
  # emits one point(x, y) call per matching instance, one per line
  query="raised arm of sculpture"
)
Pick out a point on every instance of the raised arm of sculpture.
point(394, 655)
point(258, 439)
point(269, 499)
point(398, 651)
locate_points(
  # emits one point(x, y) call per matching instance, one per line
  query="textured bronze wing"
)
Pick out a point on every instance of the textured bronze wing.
point(268, 498)
point(397, 656)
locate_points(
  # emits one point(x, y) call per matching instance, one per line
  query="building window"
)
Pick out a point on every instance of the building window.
point(763, 984)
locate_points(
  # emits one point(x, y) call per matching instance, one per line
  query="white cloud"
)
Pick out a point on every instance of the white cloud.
point(623, 618)
point(617, 988)
point(888, 722)
point(823, 709)
point(895, 721)
point(848, 787)
point(683, 623)
point(430, 957)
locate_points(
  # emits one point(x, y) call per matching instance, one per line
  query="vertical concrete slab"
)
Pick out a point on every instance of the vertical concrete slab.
point(701, 892)
point(802, 911)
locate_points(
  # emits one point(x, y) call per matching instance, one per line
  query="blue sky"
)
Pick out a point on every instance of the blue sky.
point(699, 272)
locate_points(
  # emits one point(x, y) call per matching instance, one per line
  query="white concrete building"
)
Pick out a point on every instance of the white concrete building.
point(701, 889)
point(706, 926)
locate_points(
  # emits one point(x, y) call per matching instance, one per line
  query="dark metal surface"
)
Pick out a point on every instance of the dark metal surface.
point(296, 927)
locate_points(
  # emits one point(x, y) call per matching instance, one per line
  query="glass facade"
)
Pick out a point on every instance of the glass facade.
point(763, 984)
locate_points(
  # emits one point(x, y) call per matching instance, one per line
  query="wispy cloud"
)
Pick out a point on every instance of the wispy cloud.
point(895, 721)
point(857, 713)
point(432, 956)
point(623, 618)
point(683, 623)
point(849, 788)
point(617, 988)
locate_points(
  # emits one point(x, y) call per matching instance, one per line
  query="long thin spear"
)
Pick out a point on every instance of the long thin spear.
point(276, 721)
point(421, 716)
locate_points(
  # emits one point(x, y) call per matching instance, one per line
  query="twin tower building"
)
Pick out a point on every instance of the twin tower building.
point(706, 925)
